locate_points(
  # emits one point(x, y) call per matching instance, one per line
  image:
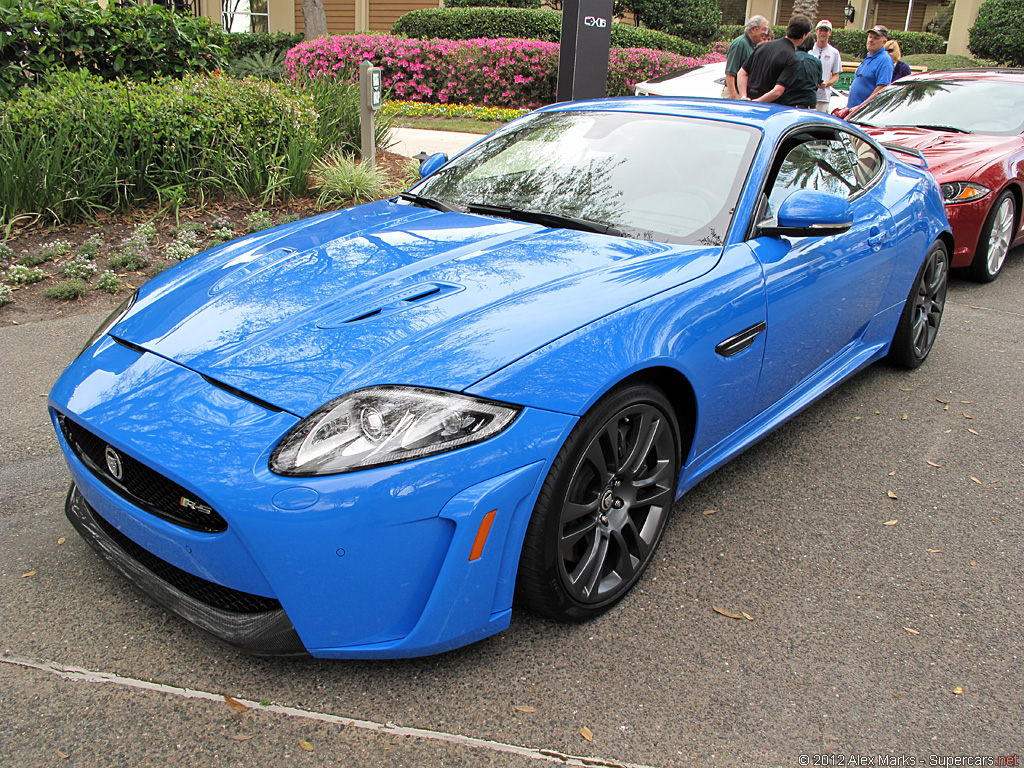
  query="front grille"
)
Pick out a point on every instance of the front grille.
point(141, 485)
point(207, 592)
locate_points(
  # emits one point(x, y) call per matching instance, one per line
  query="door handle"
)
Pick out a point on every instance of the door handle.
point(877, 236)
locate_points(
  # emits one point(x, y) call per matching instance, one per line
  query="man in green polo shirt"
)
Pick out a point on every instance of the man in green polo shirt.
point(740, 50)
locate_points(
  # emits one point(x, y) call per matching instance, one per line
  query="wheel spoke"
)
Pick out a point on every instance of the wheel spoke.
point(641, 435)
point(570, 539)
point(587, 572)
point(573, 511)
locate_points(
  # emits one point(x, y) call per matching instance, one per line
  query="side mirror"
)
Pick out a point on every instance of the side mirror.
point(810, 213)
point(432, 164)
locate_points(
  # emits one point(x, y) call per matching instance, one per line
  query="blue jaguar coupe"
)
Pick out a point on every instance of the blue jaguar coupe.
point(369, 433)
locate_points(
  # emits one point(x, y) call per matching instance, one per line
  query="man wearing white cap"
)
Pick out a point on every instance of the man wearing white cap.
point(831, 63)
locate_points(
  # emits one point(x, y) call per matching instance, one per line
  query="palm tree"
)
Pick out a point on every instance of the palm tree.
point(808, 8)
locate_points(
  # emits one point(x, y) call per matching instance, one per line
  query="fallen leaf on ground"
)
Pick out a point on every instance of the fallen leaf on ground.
point(241, 737)
point(710, 511)
point(933, 464)
point(893, 473)
point(235, 704)
point(974, 431)
point(933, 551)
point(967, 402)
point(891, 494)
point(30, 573)
point(968, 416)
point(976, 480)
point(61, 755)
point(890, 522)
point(524, 708)
point(912, 631)
point(974, 563)
point(906, 389)
point(306, 746)
point(724, 612)
point(940, 400)
point(61, 540)
point(957, 691)
point(748, 617)
point(904, 417)
point(586, 733)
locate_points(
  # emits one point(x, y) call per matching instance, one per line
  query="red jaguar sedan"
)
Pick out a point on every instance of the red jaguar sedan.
point(969, 128)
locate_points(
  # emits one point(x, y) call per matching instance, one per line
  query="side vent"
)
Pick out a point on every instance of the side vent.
point(389, 304)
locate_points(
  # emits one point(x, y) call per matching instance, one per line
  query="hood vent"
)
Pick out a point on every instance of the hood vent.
point(419, 294)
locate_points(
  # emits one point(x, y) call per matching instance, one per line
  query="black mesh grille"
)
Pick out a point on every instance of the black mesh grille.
point(214, 595)
point(141, 485)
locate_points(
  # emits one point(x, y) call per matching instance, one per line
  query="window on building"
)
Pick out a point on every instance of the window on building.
point(245, 15)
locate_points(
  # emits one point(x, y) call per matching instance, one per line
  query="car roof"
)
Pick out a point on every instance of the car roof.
point(1002, 74)
point(771, 118)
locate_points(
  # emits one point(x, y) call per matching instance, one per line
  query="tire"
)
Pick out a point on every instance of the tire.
point(603, 507)
point(994, 242)
point(919, 323)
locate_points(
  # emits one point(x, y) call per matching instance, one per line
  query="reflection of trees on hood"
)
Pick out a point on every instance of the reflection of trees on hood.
point(906, 94)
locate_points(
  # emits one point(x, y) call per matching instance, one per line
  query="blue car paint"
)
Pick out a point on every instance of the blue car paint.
point(376, 563)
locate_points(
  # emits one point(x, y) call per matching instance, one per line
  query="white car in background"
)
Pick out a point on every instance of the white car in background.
point(706, 80)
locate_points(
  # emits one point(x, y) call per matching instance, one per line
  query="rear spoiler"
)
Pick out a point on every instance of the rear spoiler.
point(907, 151)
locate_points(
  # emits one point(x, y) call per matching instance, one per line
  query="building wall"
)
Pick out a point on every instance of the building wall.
point(890, 13)
point(341, 14)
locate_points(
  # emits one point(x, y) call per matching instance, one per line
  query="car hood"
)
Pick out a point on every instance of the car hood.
point(951, 156)
point(390, 293)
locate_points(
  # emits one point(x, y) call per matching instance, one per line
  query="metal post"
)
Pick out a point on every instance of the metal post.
point(366, 113)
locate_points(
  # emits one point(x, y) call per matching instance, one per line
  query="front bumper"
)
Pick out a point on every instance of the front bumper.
point(368, 564)
point(966, 220)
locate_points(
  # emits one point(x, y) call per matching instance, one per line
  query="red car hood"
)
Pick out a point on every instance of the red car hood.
point(951, 156)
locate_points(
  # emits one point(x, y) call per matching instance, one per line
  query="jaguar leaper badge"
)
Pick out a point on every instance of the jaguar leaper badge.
point(114, 465)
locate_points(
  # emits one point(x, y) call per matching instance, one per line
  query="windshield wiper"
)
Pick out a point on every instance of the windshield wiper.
point(546, 218)
point(949, 128)
point(430, 202)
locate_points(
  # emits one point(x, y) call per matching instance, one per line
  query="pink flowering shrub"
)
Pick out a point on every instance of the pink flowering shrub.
point(510, 73)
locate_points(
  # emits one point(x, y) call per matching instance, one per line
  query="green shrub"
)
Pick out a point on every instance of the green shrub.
point(22, 275)
point(263, 66)
point(109, 282)
point(91, 247)
point(240, 45)
point(139, 41)
point(258, 220)
point(852, 43)
point(342, 181)
point(336, 103)
point(68, 290)
point(79, 266)
point(492, 3)
point(185, 246)
point(496, 23)
point(997, 33)
point(6, 295)
point(695, 20)
point(6, 254)
point(86, 144)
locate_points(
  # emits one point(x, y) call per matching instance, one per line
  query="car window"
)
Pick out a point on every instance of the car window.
point(970, 106)
point(823, 164)
point(653, 177)
point(869, 162)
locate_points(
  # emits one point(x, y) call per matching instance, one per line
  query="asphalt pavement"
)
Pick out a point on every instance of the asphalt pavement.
point(874, 542)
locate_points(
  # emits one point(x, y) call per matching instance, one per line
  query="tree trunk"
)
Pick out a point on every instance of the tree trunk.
point(314, 18)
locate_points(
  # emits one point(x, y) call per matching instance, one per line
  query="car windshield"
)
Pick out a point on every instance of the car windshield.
point(650, 177)
point(963, 106)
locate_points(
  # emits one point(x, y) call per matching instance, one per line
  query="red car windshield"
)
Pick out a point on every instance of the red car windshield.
point(993, 106)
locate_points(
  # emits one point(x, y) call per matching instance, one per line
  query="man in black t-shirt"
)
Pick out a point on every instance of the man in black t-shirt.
point(773, 67)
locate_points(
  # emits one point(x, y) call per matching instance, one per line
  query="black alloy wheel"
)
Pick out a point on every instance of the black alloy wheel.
point(919, 323)
point(603, 507)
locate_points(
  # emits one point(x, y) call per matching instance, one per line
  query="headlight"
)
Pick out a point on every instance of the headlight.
point(386, 425)
point(962, 191)
point(111, 320)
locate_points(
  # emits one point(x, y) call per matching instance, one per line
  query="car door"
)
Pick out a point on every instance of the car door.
point(822, 291)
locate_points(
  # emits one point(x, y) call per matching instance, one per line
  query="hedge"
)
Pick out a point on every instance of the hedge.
point(244, 44)
point(997, 32)
point(503, 73)
point(853, 42)
point(494, 23)
point(492, 3)
point(138, 42)
point(87, 144)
